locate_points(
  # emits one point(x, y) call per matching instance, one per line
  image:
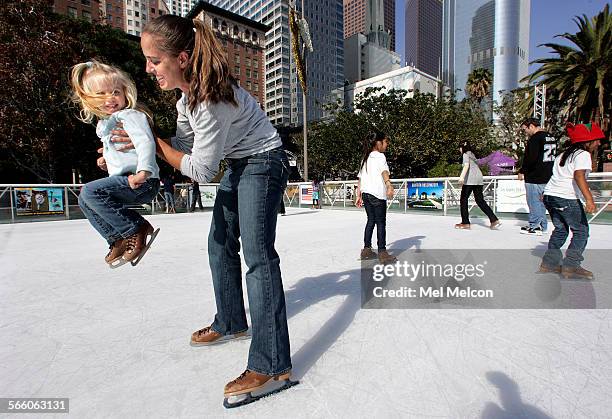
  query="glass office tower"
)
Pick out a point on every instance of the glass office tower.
point(492, 34)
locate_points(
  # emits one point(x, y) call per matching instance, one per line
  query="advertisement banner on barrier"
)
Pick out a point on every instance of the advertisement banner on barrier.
point(428, 195)
point(39, 201)
point(511, 196)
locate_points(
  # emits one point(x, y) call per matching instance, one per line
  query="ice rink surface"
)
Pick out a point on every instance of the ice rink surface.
point(116, 342)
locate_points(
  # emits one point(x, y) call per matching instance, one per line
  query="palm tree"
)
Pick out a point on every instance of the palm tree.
point(581, 76)
point(478, 84)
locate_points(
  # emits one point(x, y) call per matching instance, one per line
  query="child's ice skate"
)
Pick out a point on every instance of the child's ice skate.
point(251, 386)
point(114, 257)
point(137, 245)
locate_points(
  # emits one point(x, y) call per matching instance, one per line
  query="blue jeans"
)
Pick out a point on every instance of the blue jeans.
point(376, 210)
point(169, 198)
point(566, 214)
point(246, 205)
point(104, 202)
point(537, 210)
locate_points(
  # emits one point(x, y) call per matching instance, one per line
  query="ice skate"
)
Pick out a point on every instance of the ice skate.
point(495, 225)
point(207, 337)
point(251, 386)
point(114, 257)
point(137, 244)
point(385, 257)
point(544, 269)
point(576, 272)
point(367, 254)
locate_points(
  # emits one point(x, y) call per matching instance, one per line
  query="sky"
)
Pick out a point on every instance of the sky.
point(548, 18)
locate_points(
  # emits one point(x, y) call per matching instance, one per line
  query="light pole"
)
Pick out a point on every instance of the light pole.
point(304, 104)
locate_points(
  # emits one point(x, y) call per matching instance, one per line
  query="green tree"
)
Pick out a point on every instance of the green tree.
point(581, 74)
point(42, 141)
point(423, 132)
point(479, 84)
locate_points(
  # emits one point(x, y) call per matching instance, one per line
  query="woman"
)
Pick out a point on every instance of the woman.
point(373, 189)
point(218, 119)
point(471, 181)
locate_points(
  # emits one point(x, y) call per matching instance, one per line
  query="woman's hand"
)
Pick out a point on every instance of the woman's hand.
point(390, 190)
point(120, 136)
point(359, 202)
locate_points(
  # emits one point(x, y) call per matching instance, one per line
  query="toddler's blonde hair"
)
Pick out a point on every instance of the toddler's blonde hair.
point(85, 79)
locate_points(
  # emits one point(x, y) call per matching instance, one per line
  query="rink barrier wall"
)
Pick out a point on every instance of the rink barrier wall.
point(338, 195)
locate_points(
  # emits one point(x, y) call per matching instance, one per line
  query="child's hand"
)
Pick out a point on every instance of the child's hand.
point(590, 207)
point(101, 162)
point(137, 180)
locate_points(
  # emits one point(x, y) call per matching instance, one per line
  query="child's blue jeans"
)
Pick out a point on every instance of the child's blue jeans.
point(105, 202)
point(566, 214)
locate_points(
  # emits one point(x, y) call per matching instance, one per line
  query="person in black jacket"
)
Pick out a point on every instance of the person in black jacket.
point(195, 196)
point(536, 170)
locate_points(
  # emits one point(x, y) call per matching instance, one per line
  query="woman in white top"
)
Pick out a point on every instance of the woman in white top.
point(471, 181)
point(562, 200)
point(373, 189)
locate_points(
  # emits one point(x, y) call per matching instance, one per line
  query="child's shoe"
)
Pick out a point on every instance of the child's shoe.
point(136, 245)
point(116, 251)
point(576, 272)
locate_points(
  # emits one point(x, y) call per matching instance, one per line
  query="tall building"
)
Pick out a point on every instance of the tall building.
point(84, 9)
point(113, 13)
point(355, 18)
point(180, 7)
point(139, 12)
point(127, 15)
point(325, 66)
point(491, 34)
point(423, 35)
point(369, 55)
point(244, 41)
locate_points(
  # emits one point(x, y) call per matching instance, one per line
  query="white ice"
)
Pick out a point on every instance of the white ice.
point(116, 342)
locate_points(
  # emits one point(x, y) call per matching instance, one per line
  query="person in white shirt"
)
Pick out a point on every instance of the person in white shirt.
point(562, 196)
point(471, 180)
point(373, 189)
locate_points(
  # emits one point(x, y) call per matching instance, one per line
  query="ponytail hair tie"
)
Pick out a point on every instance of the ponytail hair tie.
point(194, 30)
point(89, 64)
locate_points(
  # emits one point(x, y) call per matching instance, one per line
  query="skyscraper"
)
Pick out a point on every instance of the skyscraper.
point(325, 66)
point(127, 15)
point(180, 7)
point(423, 35)
point(87, 9)
point(355, 18)
point(368, 55)
point(491, 34)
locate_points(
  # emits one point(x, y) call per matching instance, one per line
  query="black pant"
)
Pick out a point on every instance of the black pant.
point(282, 204)
point(466, 190)
point(376, 209)
point(196, 197)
